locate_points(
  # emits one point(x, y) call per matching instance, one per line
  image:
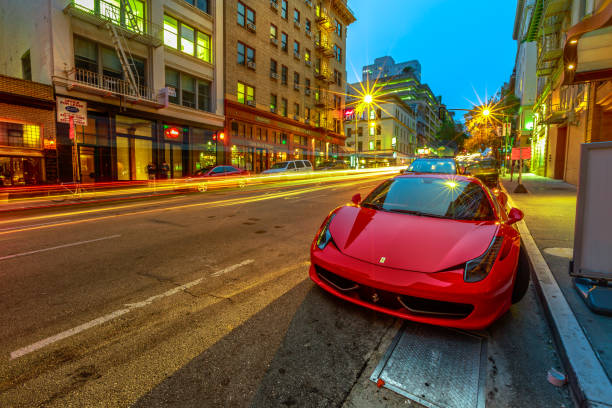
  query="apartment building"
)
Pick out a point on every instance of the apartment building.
point(149, 73)
point(404, 80)
point(386, 135)
point(284, 80)
point(574, 83)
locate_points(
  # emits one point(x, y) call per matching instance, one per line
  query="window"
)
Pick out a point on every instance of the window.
point(245, 93)
point(19, 135)
point(201, 4)
point(349, 133)
point(284, 7)
point(372, 130)
point(241, 17)
point(307, 85)
point(250, 16)
point(308, 25)
point(273, 103)
point(189, 91)
point(26, 66)
point(296, 48)
point(284, 104)
point(284, 74)
point(296, 16)
point(359, 131)
point(115, 11)
point(250, 54)
point(338, 28)
point(338, 53)
point(273, 66)
point(337, 78)
point(371, 145)
point(181, 36)
point(296, 78)
point(378, 130)
point(378, 145)
point(307, 113)
point(273, 31)
point(360, 146)
point(307, 55)
point(296, 109)
point(284, 42)
point(241, 49)
point(187, 39)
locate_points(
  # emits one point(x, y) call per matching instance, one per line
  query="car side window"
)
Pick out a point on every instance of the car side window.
point(299, 164)
point(307, 163)
point(291, 165)
point(230, 169)
point(218, 170)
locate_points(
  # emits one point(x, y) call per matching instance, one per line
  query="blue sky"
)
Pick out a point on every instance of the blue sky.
point(464, 47)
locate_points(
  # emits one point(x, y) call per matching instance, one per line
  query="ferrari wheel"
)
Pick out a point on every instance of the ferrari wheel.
point(521, 283)
point(202, 187)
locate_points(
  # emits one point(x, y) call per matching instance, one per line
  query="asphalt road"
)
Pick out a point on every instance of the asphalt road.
point(203, 300)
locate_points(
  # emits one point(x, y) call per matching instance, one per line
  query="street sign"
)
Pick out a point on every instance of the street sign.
point(71, 108)
point(519, 153)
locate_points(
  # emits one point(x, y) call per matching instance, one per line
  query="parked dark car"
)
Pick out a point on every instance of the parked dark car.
point(487, 170)
point(217, 176)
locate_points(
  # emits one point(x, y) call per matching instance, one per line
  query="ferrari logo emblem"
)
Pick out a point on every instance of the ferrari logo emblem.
point(375, 297)
point(382, 260)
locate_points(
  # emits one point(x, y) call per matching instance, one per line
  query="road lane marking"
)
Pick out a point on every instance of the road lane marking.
point(2, 258)
point(232, 268)
point(100, 320)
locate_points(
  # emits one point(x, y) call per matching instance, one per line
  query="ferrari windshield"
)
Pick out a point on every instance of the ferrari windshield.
point(432, 197)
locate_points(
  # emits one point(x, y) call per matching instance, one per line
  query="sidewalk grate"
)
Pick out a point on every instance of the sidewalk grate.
point(436, 367)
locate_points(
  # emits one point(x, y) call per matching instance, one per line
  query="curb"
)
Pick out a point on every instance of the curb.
point(588, 381)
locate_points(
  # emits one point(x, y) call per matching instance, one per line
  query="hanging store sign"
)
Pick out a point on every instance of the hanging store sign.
point(519, 153)
point(71, 108)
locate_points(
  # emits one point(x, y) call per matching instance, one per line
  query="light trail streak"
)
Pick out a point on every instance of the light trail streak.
point(212, 204)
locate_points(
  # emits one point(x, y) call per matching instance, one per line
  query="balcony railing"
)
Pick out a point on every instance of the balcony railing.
point(104, 85)
point(132, 25)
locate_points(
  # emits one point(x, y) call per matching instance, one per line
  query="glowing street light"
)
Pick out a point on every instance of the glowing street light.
point(486, 112)
point(368, 99)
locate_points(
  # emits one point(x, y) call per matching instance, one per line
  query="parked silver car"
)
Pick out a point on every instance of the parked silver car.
point(291, 166)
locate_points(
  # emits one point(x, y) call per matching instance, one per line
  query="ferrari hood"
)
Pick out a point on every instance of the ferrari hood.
point(403, 241)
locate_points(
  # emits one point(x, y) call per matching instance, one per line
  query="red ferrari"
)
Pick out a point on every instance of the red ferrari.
point(432, 248)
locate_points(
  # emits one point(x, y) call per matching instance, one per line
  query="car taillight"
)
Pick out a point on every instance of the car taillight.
point(478, 268)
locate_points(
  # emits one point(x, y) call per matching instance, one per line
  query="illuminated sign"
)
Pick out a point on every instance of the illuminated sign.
point(349, 112)
point(172, 133)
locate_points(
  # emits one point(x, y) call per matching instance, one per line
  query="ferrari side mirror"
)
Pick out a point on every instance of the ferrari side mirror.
point(514, 216)
point(356, 199)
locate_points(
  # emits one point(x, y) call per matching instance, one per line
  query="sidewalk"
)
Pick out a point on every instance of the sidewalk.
point(550, 209)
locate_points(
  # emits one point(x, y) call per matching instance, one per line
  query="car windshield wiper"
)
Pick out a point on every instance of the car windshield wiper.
point(372, 205)
point(419, 213)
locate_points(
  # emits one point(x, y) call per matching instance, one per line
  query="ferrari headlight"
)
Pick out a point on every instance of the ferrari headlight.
point(478, 268)
point(325, 236)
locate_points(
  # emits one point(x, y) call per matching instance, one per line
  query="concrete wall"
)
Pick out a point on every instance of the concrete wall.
point(26, 25)
point(575, 137)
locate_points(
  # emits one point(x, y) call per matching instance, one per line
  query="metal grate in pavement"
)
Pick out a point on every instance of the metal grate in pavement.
point(436, 367)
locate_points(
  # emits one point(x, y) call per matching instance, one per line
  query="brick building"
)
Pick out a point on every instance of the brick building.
point(284, 80)
point(27, 133)
point(150, 73)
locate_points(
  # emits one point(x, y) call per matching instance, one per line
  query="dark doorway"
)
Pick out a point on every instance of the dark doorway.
point(560, 152)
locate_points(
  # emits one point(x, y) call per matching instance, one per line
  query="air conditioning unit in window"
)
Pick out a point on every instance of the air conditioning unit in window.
point(297, 24)
point(308, 62)
point(309, 33)
point(274, 41)
point(274, 5)
point(251, 102)
point(296, 87)
point(251, 27)
point(308, 3)
point(297, 56)
point(273, 75)
point(251, 64)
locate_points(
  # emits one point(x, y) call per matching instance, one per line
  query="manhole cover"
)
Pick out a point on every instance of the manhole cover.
point(436, 367)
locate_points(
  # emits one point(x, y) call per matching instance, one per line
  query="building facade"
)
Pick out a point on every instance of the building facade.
point(403, 80)
point(386, 135)
point(574, 87)
point(284, 80)
point(150, 73)
point(28, 154)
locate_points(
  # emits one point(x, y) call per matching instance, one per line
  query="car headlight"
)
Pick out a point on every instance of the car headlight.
point(478, 268)
point(325, 237)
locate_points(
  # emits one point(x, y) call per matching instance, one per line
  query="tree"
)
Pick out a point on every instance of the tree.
point(451, 135)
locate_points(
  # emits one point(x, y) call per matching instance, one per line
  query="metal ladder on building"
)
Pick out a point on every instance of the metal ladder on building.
point(123, 52)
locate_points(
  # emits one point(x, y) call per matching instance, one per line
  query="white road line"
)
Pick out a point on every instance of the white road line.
point(2, 258)
point(32, 225)
point(232, 268)
point(129, 307)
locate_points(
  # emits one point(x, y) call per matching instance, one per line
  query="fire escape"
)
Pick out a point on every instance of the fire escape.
point(323, 74)
point(123, 24)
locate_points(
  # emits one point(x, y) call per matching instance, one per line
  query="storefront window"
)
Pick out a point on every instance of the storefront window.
point(20, 171)
point(123, 158)
point(134, 147)
point(143, 155)
point(203, 149)
point(133, 126)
